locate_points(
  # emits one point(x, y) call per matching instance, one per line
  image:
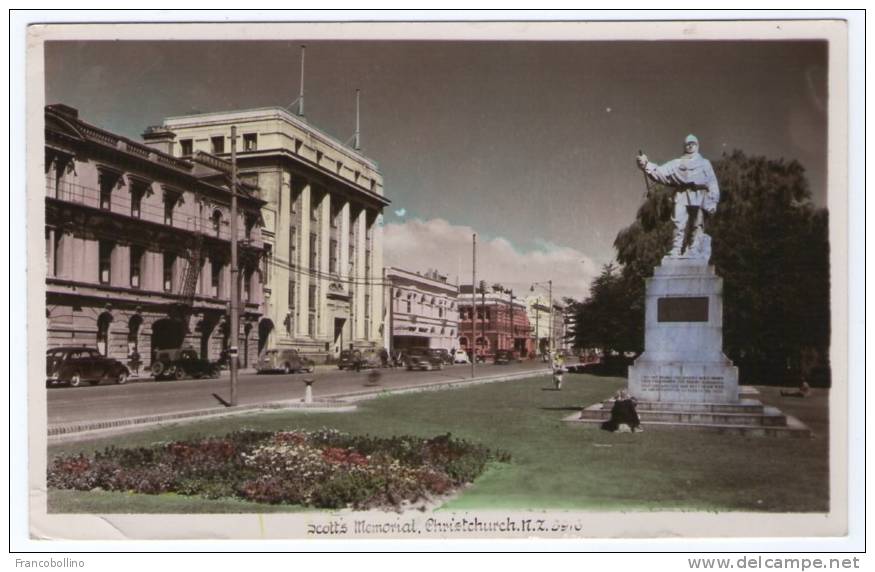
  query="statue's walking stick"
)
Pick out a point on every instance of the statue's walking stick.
point(646, 179)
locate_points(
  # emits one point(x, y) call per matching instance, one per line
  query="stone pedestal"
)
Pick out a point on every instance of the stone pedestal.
point(683, 359)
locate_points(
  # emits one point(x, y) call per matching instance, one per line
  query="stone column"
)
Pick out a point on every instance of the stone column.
point(225, 282)
point(360, 276)
point(378, 290)
point(85, 260)
point(120, 266)
point(206, 279)
point(344, 245)
point(304, 258)
point(322, 317)
point(64, 255)
point(283, 271)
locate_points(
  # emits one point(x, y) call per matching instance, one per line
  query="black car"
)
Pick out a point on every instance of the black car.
point(422, 359)
point(504, 357)
point(182, 363)
point(443, 355)
point(358, 359)
point(78, 365)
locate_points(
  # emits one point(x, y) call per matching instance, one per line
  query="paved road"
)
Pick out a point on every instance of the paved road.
point(147, 397)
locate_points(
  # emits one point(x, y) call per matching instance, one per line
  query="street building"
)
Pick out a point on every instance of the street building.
point(549, 329)
point(138, 245)
point(498, 320)
point(322, 213)
point(423, 310)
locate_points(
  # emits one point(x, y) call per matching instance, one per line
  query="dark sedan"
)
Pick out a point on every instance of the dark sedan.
point(182, 363)
point(422, 359)
point(78, 365)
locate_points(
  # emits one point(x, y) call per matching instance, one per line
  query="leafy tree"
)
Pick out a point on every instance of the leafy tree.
point(770, 246)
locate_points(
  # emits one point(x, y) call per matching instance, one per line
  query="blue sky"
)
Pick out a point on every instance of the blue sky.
point(532, 143)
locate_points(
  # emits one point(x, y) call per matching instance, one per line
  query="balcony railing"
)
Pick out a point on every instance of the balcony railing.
point(121, 202)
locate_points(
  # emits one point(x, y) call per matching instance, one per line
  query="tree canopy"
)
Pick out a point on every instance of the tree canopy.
point(770, 246)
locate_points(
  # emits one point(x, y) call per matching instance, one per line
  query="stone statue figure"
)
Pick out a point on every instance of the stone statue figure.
point(695, 184)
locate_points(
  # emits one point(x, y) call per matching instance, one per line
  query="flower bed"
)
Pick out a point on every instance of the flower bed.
point(325, 468)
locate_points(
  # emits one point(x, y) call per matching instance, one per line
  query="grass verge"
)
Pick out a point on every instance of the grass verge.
point(554, 465)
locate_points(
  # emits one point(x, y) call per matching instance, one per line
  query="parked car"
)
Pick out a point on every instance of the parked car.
point(443, 355)
point(358, 359)
point(286, 361)
point(78, 365)
point(422, 359)
point(182, 363)
point(461, 357)
point(503, 357)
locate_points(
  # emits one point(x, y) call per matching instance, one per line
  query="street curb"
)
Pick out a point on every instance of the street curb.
point(342, 402)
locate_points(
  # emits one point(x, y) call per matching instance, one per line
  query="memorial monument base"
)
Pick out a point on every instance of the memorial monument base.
point(683, 357)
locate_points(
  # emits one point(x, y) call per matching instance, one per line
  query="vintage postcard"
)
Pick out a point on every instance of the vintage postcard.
point(423, 281)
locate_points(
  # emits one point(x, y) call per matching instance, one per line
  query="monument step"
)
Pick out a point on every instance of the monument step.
point(696, 417)
point(747, 406)
point(793, 428)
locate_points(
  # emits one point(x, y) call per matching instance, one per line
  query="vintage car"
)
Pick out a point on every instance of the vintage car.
point(286, 361)
point(78, 365)
point(461, 356)
point(422, 359)
point(443, 355)
point(504, 357)
point(181, 363)
point(358, 359)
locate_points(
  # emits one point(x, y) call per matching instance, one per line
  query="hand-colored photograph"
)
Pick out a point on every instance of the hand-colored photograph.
point(570, 285)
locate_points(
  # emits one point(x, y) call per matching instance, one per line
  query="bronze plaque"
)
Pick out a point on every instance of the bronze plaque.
point(682, 309)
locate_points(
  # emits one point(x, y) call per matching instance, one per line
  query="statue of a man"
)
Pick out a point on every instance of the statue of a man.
point(695, 184)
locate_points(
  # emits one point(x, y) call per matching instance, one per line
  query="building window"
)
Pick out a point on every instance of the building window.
point(408, 306)
point(137, 200)
point(247, 282)
point(169, 205)
point(291, 294)
point(215, 277)
point(332, 260)
point(367, 307)
point(217, 222)
point(217, 144)
point(105, 265)
point(186, 147)
point(311, 325)
point(250, 141)
point(293, 239)
point(136, 265)
point(313, 258)
point(311, 297)
point(314, 212)
point(169, 263)
point(268, 263)
point(107, 183)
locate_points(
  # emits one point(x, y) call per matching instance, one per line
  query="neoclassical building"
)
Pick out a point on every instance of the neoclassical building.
point(423, 310)
point(322, 214)
point(138, 245)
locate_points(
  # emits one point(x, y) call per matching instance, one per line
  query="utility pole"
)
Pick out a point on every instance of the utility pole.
point(235, 272)
point(301, 96)
point(483, 310)
point(473, 301)
point(550, 284)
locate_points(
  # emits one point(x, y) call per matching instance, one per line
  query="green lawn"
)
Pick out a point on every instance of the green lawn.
point(554, 465)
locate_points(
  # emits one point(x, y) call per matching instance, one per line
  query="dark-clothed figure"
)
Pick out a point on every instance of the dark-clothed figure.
point(623, 412)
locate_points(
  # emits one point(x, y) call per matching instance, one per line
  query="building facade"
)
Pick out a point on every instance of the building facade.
point(549, 329)
point(422, 310)
point(138, 246)
point(323, 289)
point(497, 321)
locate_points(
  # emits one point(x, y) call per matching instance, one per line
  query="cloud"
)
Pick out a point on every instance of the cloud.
point(418, 245)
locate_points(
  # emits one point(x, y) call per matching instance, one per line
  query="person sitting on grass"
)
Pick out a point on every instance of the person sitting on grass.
point(803, 391)
point(624, 415)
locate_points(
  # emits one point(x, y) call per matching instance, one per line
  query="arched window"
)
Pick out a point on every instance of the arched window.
point(103, 341)
point(216, 218)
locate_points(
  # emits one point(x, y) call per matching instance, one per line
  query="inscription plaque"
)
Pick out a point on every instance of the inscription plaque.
point(682, 309)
